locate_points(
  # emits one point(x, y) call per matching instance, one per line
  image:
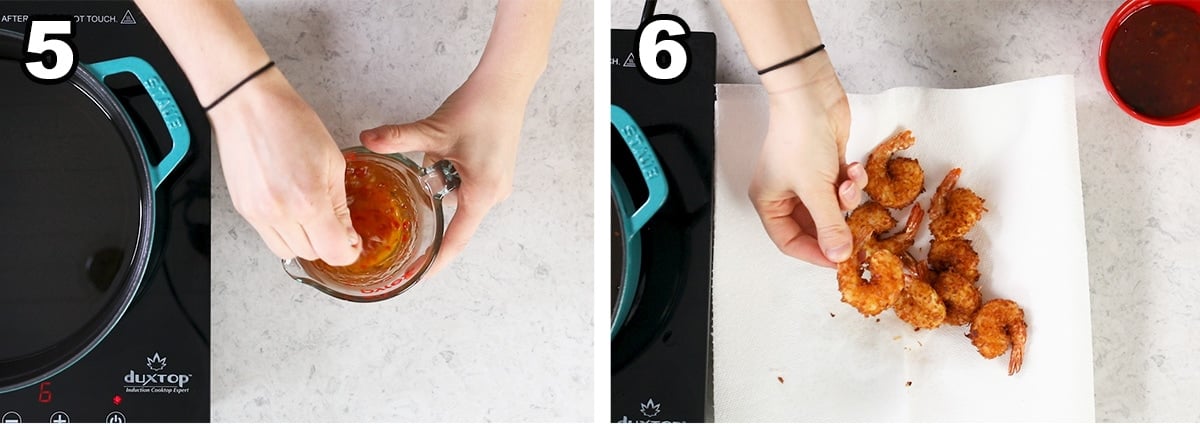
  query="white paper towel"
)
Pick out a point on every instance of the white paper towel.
point(778, 318)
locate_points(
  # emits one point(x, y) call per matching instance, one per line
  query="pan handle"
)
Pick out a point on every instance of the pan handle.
point(181, 138)
point(647, 161)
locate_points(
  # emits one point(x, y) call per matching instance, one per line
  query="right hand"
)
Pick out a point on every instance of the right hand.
point(285, 173)
point(802, 183)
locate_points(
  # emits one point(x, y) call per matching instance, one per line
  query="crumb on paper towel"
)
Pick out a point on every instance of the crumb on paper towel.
point(831, 315)
point(896, 338)
point(780, 379)
point(876, 319)
point(908, 384)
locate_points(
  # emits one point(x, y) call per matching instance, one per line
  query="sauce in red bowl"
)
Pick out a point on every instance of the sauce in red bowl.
point(1150, 60)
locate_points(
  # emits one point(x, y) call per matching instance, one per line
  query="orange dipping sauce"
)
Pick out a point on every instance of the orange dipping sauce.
point(382, 212)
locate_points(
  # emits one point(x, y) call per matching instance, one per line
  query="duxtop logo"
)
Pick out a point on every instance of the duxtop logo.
point(156, 363)
point(649, 410)
point(154, 381)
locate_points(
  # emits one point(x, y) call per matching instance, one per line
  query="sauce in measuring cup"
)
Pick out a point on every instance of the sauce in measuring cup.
point(381, 208)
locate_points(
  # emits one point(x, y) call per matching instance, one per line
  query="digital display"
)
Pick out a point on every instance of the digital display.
point(44, 395)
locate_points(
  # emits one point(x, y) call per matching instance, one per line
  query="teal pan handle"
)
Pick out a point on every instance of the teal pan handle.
point(181, 138)
point(652, 172)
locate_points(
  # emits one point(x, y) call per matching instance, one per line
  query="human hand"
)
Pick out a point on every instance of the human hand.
point(285, 173)
point(477, 129)
point(802, 178)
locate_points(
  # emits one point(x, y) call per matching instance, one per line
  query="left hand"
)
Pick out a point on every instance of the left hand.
point(477, 129)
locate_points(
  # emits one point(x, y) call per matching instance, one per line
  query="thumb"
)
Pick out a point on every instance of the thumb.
point(401, 138)
point(833, 235)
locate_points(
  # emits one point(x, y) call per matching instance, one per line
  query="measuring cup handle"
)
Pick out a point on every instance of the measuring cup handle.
point(168, 109)
point(440, 179)
point(647, 162)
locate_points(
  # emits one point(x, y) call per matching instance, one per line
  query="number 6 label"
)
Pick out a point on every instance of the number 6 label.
point(49, 41)
point(652, 43)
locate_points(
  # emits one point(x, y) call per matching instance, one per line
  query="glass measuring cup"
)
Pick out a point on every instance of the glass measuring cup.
point(399, 245)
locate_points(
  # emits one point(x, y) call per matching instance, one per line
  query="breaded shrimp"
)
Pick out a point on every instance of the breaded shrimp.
point(953, 211)
point(961, 297)
point(873, 217)
point(919, 304)
point(894, 182)
point(937, 205)
point(900, 242)
point(872, 296)
point(1000, 323)
point(954, 255)
point(870, 216)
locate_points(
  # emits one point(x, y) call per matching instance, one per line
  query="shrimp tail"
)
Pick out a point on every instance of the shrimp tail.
point(937, 206)
point(914, 221)
point(1014, 359)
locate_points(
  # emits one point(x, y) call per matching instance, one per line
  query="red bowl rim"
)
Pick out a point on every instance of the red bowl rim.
point(1128, 8)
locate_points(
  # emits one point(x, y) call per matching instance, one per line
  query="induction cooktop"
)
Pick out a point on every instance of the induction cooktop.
point(661, 357)
point(154, 364)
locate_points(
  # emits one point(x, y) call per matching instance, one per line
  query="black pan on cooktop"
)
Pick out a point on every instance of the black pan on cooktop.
point(73, 195)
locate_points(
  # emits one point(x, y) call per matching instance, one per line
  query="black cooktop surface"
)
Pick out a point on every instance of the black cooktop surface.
point(661, 357)
point(154, 365)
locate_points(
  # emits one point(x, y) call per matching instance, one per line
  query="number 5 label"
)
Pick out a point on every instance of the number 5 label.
point(652, 43)
point(49, 41)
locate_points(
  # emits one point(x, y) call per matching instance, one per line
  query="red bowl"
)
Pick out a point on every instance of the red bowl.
point(1123, 12)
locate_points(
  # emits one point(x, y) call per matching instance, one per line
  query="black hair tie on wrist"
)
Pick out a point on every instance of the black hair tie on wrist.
point(239, 85)
point(802, 56)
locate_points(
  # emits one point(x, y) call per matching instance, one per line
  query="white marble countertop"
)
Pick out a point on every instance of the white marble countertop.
point(503, 334)
point(1139, 182)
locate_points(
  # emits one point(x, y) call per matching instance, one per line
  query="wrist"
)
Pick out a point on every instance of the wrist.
point(505, 87)
point(222, 78)
point(812, 71)
point(520, 78)
point(267, 91)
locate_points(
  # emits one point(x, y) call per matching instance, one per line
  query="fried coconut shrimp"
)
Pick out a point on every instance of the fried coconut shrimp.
point(919, 304)
point(954, 255)
point(872, 296)
point(1000, 323)
point(953, 211)
point(870, 216)
point(899, 243)
point(894, 182)
point(875, 218)
point(960, 295)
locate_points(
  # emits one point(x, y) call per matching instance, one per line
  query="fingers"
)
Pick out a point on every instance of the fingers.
point(787, 234)
point(327, 241)
point(848, 195)
point(458, 233)
point(411, 137)
point(332, 242)
point(331, 232)
point(333, 238)
point(274, 242)
point(857, 174)
point(850, 191)
point(297, 241)
point(328, 236)
point(833, 235)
